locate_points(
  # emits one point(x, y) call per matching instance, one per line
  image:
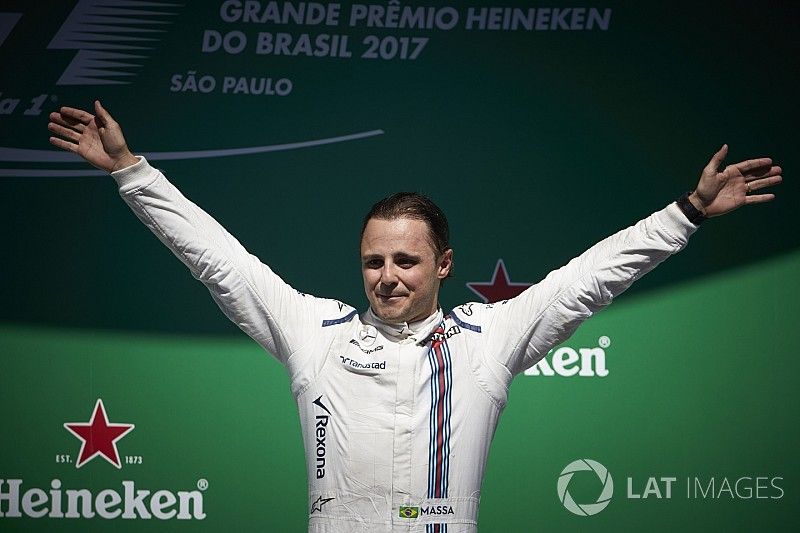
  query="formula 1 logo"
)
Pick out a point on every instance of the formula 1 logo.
point(112, 38)
point(98, 437)
point(114, 44)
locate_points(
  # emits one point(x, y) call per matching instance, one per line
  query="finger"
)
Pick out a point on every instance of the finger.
point(105, 117)
point(77, 114)
point(71, 123)
point(758, 198)
point(764, 182)
point(64, 145)
point(773, 171)
point(67, 133)
point(752, 164)
point(717, 159)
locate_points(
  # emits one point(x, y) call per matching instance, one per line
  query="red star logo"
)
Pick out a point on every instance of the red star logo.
point(98, 437)
point(500, 288)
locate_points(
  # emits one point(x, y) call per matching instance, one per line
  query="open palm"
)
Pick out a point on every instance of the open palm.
point(722, 191)
point(96, 138)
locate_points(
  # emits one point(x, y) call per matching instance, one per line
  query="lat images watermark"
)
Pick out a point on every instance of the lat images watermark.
point(585, 509)
point(690, 487)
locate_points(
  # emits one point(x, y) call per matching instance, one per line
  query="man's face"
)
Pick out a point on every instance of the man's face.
point(401, 269)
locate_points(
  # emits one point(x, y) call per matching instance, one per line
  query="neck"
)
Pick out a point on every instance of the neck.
point(417, 329)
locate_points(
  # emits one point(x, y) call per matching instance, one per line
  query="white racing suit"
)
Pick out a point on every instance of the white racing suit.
point(396, 419)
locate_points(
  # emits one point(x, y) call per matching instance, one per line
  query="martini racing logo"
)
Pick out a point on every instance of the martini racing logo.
point(585, 509)
point(99, 438)
point(440, 337)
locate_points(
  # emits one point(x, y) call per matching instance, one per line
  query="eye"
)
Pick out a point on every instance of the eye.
point(373, 263)
point(406, 262)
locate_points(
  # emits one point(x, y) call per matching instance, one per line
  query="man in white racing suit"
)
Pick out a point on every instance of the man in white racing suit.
point(398, 404)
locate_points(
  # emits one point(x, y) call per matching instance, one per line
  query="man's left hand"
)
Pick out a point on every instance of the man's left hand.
point(722, 191)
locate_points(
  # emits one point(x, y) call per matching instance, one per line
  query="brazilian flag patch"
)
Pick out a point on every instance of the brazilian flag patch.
point(409, 512)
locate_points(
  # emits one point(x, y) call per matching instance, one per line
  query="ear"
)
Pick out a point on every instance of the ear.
point(445, 264)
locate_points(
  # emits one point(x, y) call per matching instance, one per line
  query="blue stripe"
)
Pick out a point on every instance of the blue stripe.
point(432, 424)
point(333, 322)
point(476, 329)
point(448, 411)
point(436, 370)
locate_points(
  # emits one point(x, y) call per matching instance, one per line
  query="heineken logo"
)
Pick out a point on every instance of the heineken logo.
point(579, 362)
point(126, 502)
point(98, 437)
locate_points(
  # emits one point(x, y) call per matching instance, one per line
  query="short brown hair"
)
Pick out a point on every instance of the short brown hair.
point(417, 206)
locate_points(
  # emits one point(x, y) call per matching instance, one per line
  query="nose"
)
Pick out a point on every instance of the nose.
point(388, 274)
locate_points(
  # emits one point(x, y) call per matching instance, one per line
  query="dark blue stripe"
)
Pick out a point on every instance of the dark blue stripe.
point(333, 322)
point(434, 421)
point(438, 396)
point(476, 329)
point(448, 411)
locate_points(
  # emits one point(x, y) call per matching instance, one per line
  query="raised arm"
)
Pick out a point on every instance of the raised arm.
point(277, 316)
point(523, 329)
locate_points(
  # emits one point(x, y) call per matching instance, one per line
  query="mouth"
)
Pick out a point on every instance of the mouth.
point(389, 297)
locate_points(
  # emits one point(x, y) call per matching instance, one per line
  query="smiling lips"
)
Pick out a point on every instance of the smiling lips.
point(390, 296)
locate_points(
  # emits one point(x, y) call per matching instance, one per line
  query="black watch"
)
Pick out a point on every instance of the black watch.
point(694, 215)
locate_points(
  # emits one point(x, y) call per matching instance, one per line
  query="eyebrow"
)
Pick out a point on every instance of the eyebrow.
point(404, 255)
point(396, 256)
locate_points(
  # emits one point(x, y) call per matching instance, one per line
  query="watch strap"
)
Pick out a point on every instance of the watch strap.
point(694, 215)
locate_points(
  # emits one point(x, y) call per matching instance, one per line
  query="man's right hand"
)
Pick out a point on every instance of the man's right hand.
point(96, 138)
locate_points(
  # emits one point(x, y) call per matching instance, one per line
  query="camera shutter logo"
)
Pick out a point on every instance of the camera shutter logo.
point(585, 509)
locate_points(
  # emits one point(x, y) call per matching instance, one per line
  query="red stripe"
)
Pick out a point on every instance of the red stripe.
point(439, 424)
